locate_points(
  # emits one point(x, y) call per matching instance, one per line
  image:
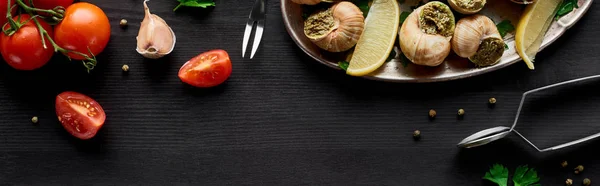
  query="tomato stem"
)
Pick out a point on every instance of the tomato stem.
point(14, 26)
point(88, 62)
point(57, 13)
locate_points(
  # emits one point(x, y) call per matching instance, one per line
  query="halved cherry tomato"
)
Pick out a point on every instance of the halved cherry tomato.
point(85, 26)
point(79, 114)
point(48, 4)
point(24, 49)
point(208, 69)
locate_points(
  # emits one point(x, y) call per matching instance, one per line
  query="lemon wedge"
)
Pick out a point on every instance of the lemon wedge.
point(533, 25)
point(377, 40)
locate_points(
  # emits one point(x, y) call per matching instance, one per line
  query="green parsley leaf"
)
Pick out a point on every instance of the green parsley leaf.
point(566, 7)
point(525, 176)
point(505, 46)
point(195, 3)
point(505, 27)
point(497, 174)
point(344, 65)
point(403, 16)
point(363, 5)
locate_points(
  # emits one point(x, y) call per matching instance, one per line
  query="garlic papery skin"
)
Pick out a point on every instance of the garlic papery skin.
point(476, 37)
point(155, 38)
point(426, 33)
point(467, 6)
point(335, 29)
point(311, 2)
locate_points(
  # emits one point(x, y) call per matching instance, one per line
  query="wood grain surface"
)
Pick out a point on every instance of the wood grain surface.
point(284, 119)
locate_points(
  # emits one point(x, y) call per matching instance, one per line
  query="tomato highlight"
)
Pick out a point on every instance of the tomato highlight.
point(208, 69)
point(79, 114)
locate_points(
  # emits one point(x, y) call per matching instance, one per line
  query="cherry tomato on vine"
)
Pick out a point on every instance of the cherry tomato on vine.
point(48, 4)
point(79, 114)
point(24, 49)
point(84, 28)
point(4, 8)
point(208, 69)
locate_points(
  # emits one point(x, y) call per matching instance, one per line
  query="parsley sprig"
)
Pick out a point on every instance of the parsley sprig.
point(566, 7)
point(524, 176)
point(194, 3)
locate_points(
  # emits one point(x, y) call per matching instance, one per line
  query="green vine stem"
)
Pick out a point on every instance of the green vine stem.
point(57, 13)
point(90, 60)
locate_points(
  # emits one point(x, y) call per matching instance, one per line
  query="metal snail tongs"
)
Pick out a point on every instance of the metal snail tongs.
point(492, 134)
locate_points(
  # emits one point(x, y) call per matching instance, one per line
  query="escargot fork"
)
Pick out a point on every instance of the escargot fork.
point(486, 136)
point(257, 15)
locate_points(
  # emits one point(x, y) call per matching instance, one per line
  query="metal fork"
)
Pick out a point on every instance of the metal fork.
point(257, 15)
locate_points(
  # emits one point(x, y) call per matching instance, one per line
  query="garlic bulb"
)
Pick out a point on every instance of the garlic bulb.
point(311, 2)
point(335, 29)
point(467, 6)
point(426, 33)
point(155, 38)
point(477, 38)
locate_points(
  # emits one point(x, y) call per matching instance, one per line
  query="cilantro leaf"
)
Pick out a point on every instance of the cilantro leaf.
point(343, 65)
point(566, 7)
point(195, 3)
point(525, 176)
point(505, 27)
point(363, 5)
point(497, 174)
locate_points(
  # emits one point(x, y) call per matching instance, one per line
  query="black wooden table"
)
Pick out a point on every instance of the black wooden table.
point(284, 119)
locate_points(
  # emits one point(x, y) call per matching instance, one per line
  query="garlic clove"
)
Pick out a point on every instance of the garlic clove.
point(155, 38)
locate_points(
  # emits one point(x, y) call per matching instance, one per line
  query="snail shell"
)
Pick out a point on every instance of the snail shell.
point(467, 6)
point(426, 33)
point(335, 29)
point(311, 2)
point(477, 38)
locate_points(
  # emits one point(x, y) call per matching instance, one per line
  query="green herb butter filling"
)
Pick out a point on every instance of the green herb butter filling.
point(489, 52)
point(319, 23)
point(437, 18)
point(470, 4)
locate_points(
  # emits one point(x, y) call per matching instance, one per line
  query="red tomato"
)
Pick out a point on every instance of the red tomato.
point(84, 26)
point(48, 4)
point(24, 50)
point(79, 114)
point(208, 69)
point(4, 8)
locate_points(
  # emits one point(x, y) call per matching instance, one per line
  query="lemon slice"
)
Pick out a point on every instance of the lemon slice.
point(378, 38)
point(533, 25)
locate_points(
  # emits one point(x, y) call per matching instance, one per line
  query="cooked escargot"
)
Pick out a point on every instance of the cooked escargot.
point(477, 38)
point(467, 6)
point(426, 33)
point(337, 28)
point(312, 2)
